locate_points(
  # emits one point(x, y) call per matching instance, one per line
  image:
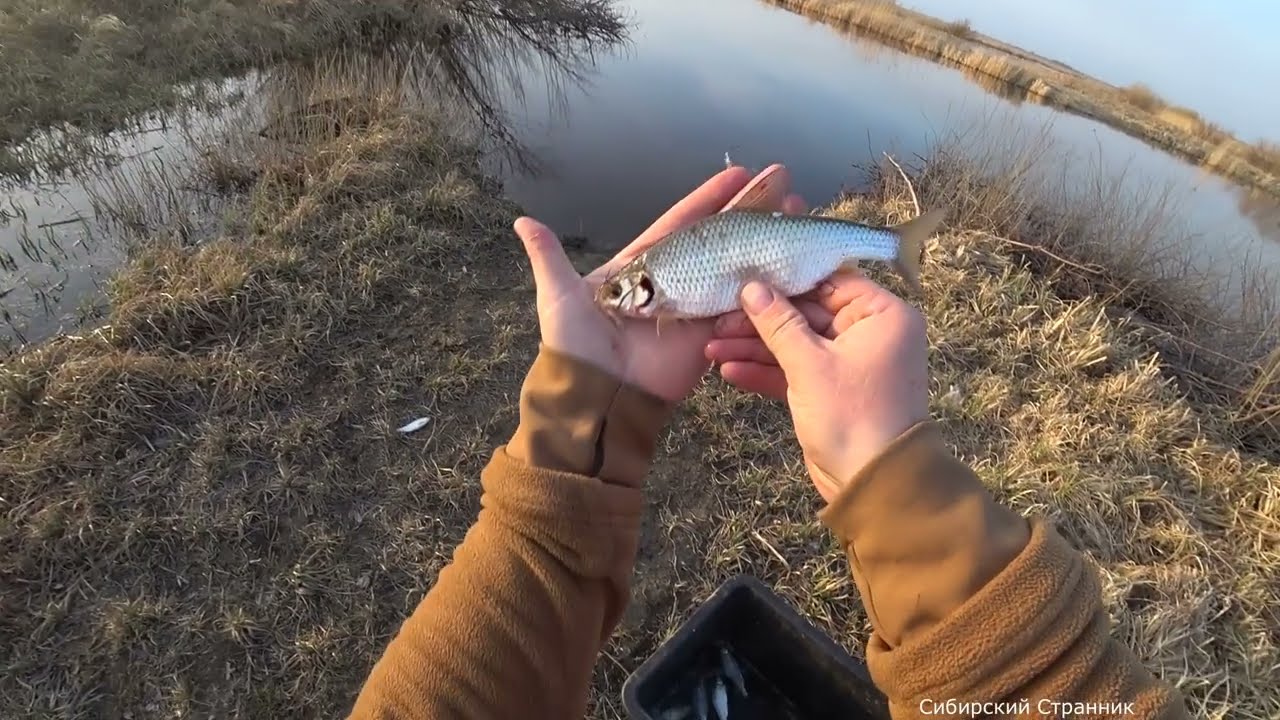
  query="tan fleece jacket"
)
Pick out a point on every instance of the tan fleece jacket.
point(968, 601)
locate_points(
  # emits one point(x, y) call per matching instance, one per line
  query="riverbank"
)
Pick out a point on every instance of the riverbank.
point(78, 71)
point(210, 511)
point(1133, 110)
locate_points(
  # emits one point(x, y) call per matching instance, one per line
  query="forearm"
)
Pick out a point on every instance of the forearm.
point(513, 625)
point(970, 602)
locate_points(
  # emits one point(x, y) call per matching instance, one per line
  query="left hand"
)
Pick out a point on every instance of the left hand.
point(667, 362)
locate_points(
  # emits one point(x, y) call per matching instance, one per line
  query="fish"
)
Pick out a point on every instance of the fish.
point(698, 271)
point(732, 671)
point(720, 698)
point(413, 425)
point(700, 701)
point(676, 713)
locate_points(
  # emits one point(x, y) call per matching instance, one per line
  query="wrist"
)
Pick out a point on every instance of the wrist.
point(858, 446)
point(578, 418)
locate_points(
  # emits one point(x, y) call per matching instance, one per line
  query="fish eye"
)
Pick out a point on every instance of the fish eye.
point(614, 292)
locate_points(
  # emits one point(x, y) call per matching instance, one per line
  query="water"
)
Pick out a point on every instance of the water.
point(1139, 41)
point(701, 79)
point(63, 236)
point(598, 144)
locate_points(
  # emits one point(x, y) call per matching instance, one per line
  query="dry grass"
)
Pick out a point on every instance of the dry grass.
point(1135, 110)
point(75, 68)
point(207, 507)
point(960, 28)
point(207, 510)
point(1143, 97)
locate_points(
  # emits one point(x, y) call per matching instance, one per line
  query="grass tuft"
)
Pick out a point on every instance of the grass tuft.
point(960, 28)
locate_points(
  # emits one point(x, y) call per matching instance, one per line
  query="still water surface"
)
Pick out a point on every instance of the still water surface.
point(766, 85)
point(597, 144)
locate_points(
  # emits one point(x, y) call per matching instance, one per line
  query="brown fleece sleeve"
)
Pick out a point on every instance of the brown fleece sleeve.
point(970, 603)
point(512, 627)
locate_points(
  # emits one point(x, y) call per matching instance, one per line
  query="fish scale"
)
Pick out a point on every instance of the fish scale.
point(700, 272)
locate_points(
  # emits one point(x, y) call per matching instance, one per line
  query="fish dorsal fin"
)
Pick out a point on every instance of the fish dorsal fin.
point(765, 192)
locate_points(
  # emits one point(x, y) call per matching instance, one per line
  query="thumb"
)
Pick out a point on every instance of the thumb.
point(553, 274)
point(781, 326)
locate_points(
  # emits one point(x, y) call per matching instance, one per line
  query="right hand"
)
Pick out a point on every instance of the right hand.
point(850, 360)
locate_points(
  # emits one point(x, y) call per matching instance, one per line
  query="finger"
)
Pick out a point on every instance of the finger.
point(794, 205)
point(736, 324)
point(766, 380)
point(858, 299)
point(819, 306)
point(768, 190)
point(844, 287)
point(552, 272)
point(781, 326)
point(740, 350)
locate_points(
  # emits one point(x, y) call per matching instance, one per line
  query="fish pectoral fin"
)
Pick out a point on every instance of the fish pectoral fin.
point(849, 266)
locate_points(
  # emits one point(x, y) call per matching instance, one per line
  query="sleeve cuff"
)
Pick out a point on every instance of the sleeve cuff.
point(1027, 618)
point(577, 418)
point(922, 534)
point(593, 526)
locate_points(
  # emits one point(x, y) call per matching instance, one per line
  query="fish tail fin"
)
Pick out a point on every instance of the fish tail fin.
point(912, 236)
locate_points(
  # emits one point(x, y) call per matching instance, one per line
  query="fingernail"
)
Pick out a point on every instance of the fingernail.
point(756, 297)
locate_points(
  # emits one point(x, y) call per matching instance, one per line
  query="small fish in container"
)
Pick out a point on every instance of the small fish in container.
point(746, 654)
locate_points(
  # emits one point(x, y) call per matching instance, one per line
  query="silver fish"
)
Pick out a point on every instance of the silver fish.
point(720, 699)
point(732, 671)
point(700, 701)
point(700, 270)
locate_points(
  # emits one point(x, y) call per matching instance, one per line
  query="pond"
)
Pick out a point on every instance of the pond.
point(766, 85)
point(597, 142)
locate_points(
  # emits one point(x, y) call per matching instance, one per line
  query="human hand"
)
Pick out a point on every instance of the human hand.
point(849, 358)
point(667, 362)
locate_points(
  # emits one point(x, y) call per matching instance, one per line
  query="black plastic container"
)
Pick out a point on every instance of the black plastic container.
point(792, 670)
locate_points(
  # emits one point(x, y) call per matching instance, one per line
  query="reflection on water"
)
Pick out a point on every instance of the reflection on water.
point(62, 235)
point(61, 239)
point(1263, 211)
point(484, 61)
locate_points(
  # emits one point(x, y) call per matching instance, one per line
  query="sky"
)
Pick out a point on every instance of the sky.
point(1219, 58)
